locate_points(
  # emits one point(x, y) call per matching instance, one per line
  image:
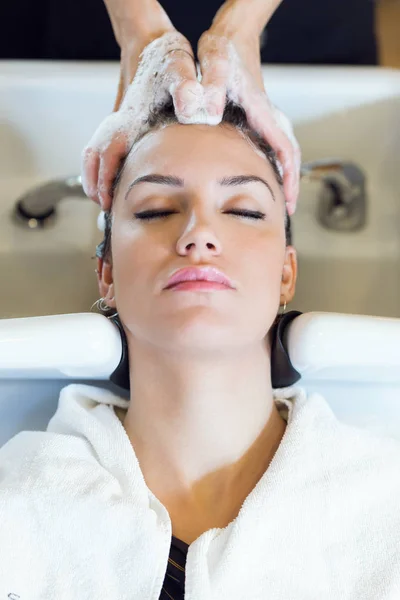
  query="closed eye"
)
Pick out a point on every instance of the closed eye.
point(249, 214)
point(148, 215)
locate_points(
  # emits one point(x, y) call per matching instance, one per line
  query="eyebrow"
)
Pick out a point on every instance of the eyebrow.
point(243, 179)
point(173, 181)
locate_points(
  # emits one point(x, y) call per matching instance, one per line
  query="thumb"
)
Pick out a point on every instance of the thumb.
point(180, 76)
point(214, 57)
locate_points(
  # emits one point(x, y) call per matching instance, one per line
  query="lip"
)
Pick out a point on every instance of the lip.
point(209, 275)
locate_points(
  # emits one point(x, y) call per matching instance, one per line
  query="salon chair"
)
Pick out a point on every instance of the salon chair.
point(352, 360)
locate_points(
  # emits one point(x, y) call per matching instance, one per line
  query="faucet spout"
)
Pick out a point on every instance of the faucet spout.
point(38, 206)
point(342, 198)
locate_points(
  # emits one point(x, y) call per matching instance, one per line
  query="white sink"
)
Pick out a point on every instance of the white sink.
point(48, 111)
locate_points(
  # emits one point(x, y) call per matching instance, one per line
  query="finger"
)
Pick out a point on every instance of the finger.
point(290, 159)
point(110, 162)
point(215, 82)
point(180, 77)
point(188, 99)
point(286, 157)
point(293, 157)
point(293, 188)
point(263, 118)
point(106, 135)
point(90, 172)
point(215, 69)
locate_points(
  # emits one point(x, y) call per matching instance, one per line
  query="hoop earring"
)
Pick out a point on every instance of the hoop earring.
point(95, 304)
point(102, 307)
point(284, 308)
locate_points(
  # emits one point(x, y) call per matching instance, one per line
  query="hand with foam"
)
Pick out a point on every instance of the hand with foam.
point(229, 54)
point(166, 69)
point(152, 72)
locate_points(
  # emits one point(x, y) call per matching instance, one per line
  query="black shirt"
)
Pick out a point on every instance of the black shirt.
point(174, 582)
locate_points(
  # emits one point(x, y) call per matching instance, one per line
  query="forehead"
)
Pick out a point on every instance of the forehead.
point(197, 153)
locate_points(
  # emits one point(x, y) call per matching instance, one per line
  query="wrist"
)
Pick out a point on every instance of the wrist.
point(243, 19)
point(144, 22)
point(134, 38)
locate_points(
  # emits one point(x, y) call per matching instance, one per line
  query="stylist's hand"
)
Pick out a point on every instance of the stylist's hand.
point(229, 55)
point(230, 64)
point(166, 69)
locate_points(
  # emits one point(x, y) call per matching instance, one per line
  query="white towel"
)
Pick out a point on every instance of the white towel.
point(79, 523)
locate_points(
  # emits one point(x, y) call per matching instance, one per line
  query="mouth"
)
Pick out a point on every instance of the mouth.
point(199, 278)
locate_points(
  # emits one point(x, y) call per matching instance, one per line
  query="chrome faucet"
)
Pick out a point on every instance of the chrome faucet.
point(37, 207)
point(342, 204)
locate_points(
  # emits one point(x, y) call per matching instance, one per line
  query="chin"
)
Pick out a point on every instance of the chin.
point(204, 331)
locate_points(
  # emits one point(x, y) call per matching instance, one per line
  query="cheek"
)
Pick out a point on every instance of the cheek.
point(263, 253)
point(127, 266)
point(263, 267)
point(136, 262)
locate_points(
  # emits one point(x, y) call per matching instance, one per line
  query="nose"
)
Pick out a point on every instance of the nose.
point(198, 241)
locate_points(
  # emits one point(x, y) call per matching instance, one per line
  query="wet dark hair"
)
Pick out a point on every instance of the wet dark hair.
point(233, 115)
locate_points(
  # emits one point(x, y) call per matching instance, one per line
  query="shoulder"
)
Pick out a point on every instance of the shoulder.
point(45, 460)
point(84, 449)
point(344, 455)
point(69, 450)
point(361, 477)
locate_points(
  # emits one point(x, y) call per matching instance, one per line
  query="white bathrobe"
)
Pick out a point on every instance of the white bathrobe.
point(77, 521)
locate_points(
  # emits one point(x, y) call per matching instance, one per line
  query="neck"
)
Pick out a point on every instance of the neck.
point(203, 429)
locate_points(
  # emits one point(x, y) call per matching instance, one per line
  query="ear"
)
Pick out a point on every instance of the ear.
point(289, 275)
point(105, 281)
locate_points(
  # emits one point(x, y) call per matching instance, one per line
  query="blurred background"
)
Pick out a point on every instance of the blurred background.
point(388, 30)
point(358, 32)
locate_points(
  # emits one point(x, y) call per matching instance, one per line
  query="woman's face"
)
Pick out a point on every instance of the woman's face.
point(200, 174)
